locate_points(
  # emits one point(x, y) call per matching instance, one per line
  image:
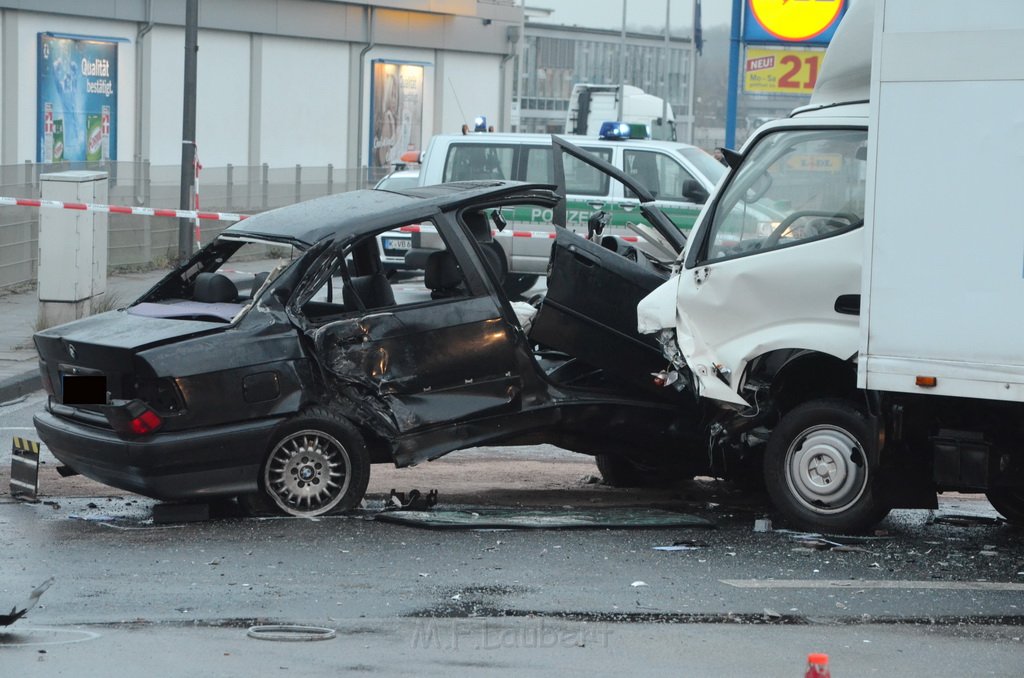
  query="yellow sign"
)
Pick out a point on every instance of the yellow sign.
point(781, 70)
point(796, 20)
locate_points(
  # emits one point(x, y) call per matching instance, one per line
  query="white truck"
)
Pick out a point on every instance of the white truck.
point(868, 349)
point(592, 105)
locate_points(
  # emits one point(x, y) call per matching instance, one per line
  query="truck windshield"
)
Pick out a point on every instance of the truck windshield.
point(793, 186)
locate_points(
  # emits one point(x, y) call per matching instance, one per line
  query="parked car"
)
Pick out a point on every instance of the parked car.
point(394, 245)
point(286, 395)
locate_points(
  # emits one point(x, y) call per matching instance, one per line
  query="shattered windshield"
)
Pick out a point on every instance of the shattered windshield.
point(793, 186)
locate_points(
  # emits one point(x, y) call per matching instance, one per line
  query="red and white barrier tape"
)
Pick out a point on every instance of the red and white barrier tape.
point(506, 234)
point(121, 209)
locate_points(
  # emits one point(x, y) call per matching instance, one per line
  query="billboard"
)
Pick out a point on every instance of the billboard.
point(76, 90)
point(811, 22)
point(781, 70)
point(397, 111)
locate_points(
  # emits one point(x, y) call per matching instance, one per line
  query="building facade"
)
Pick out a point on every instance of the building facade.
point(280, 82)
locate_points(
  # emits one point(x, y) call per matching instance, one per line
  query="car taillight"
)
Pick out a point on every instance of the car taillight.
point(45, 376)
point(132, 418)
point(147, 422)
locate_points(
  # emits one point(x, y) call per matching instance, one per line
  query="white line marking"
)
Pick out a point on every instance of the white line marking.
point(872, 584)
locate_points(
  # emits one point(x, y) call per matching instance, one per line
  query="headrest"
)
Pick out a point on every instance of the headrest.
point(214, 288)
point(442, 271)
point(478, 225)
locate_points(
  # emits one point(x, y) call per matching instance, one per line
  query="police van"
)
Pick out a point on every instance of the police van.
point(681, 176)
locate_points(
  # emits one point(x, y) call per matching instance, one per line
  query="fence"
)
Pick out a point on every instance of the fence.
point(143, 242)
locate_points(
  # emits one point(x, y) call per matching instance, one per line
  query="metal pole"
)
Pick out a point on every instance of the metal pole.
point(668, 69)
point(188, 128)
point(622, 62)
point(734, 66)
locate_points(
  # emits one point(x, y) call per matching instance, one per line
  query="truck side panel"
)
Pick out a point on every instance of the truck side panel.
point(944, 265)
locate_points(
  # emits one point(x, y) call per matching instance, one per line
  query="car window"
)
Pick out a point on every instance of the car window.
point(661, 174)
point(474, 162)
point(580, 178)
point(794, 186)
point(536, 162)
point(349, 280)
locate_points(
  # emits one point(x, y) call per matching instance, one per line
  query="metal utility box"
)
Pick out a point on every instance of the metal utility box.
point(72, 246)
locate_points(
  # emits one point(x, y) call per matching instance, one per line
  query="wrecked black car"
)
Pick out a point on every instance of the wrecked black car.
point(280, 362)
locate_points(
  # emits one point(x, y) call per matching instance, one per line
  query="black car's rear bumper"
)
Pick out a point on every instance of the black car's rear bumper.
point(181, 465)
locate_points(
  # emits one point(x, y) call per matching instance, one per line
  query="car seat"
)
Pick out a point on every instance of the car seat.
point(442, 275)
point(214, 288)
point(373, 290)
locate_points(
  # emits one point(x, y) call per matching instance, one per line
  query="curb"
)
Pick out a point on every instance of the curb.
point(20, 385)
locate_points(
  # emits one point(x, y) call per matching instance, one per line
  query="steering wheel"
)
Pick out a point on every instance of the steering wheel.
point(831, 219)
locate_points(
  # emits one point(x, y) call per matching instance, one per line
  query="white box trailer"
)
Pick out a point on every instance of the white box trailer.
point(865, 348)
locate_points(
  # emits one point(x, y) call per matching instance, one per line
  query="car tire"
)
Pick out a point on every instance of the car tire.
point(1009, 502)
point(819, 471)
point(517, 283)
point(316, 463)
point(620, 471)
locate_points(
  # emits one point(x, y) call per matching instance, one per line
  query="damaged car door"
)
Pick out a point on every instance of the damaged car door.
point(444, 354)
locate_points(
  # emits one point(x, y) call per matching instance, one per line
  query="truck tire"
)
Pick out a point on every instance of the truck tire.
point(316, 463)
point(1009, 503)
point(517, 283)
point(818, 469)
point(620, 471)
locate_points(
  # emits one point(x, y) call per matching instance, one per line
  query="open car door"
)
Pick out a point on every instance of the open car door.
point(595, 284)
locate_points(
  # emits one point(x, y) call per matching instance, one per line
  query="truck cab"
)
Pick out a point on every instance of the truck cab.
point(838, 343)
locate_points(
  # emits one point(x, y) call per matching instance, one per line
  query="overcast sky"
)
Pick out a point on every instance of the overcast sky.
point(608, 13)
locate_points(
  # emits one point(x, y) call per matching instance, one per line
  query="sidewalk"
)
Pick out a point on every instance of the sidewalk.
point(19, 369)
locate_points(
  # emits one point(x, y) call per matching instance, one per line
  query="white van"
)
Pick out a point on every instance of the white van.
point(680, 175)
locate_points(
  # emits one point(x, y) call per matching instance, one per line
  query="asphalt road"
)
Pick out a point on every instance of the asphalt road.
point(932, 593)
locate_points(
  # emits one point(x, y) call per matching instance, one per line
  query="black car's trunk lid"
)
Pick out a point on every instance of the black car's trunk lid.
point(105, 348)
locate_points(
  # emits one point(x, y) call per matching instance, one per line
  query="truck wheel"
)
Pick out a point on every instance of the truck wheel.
point(817, 468)
point(317, 463)
point(517, 283)
point(620, 471)
point(1009, 503)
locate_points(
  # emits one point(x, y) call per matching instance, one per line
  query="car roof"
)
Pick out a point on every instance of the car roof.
point(545, 139)
point(363, 211)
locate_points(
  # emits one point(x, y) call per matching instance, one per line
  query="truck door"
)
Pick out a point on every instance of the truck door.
point(777, 261)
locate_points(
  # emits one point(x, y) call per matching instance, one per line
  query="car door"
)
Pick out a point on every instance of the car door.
point(777, 261)
point(436, 352)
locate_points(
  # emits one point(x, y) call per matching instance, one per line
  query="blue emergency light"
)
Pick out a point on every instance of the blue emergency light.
point(617, 131)
point(480, 124)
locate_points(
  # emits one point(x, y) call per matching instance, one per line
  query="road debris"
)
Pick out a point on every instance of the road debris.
point(415, 501)
point(33, 598)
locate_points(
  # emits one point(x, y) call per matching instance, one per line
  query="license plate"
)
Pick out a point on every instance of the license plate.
point(398, 243)
point(80, 389)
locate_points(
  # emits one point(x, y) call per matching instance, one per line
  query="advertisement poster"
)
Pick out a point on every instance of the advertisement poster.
point(397, 111)
point(76, 85)
point(805, 21)
point(781, 70)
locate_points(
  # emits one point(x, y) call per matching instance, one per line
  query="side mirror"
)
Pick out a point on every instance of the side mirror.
point(596, 223)
point(499, 220)
point(694, 192)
